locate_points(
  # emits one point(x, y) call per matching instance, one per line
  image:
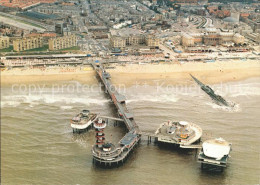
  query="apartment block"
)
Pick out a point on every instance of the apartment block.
point(152, 41)
point(187, 40)
point(211, 37)
point(238, 39)
point(118, 42)
point(135, 40)
point(62, 42)
point(4, 42)
point(27, 43)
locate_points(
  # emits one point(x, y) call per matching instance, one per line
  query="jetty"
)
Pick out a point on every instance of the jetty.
point(184, 134)
point(118, 152)
point(215, 97)
point(214, 153)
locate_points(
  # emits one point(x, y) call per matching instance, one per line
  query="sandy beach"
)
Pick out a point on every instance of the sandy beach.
point(130, 74)
point(210, 73)
point(48, 75)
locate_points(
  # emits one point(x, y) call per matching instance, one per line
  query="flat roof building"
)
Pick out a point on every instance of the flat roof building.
point(152, 41)
point(187, 40)
point(211, 37)
point(121, 42)
point(238, 39)
point(27, 43)
point(117, 42)
point(58, 43)
point(4, 42)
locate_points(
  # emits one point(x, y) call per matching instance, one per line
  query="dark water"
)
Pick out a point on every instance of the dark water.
point(38, 146)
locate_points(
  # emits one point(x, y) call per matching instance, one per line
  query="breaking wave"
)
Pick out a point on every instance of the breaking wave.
point(66, 107)
point(244, 89)
point(235, 108)
point(163, 98)
point(9, 104)
point(249, 92)
point(34, 100)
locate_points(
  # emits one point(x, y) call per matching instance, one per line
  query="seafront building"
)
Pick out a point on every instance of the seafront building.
point(4, 42)
point(117, 42)
point(211, 37)
point(134, 40)
point(152, 41)
point(27, 43)
point(254, 37)
point(66, 41)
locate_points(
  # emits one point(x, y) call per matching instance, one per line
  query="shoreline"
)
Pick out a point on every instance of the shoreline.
point(130, 74)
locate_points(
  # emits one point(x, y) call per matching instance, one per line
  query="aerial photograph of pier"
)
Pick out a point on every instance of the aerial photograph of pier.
point(114, 92)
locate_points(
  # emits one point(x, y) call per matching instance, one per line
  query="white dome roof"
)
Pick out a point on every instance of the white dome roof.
point(184, 123)
point(216, 148)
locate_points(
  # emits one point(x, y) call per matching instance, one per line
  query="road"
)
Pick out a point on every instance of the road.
point(21, 25)
point(166, 50)
point(22, 19)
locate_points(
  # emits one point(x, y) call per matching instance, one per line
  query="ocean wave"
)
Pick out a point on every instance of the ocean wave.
point(9, 104)
point(83, 140)
point(34, 100)
point(252, 92)
point(66, 107)
point(163, 98)
point(235, 108)
point(244, 89)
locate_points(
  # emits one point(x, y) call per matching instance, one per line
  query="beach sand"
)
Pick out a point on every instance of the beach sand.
point(209, 73)
point(130, 74)
point(49, 75)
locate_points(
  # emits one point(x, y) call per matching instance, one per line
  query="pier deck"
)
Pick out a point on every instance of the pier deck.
point(129, 141)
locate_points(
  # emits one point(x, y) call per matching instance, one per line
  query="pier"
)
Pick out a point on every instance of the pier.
point(118, 153)
point(184, 134)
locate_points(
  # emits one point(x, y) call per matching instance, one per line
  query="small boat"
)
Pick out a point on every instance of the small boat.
point(214, 152)
point(82, 121)
point(181, 133)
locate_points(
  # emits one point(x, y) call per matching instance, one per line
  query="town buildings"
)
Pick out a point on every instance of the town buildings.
point(4, 42)
point(152, 41)
point(27, 43)
point(121, 41)
point(211, 37)
point(66, 41)
point(23, 4)
point(117, 42)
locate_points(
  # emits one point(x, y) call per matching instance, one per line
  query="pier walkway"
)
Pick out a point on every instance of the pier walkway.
point(129, 141)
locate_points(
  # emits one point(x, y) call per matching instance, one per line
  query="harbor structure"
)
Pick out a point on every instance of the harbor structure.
point(181, 133)
point(214, 153)
point(216, 98)
point(116, 154)
point(99, 126)
point(82, 121)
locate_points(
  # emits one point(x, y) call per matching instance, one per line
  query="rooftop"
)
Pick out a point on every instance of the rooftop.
point(230, 20)
point(37, 15)
point(23, 3)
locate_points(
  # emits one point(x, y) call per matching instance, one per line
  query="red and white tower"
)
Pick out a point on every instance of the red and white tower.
point(99, 128)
